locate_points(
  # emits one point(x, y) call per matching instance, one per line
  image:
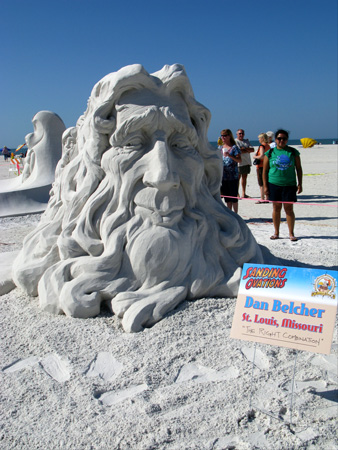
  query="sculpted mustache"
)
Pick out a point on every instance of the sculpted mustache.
point(154, 200)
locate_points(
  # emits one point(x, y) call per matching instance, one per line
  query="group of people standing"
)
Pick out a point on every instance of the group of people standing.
point(279, 173)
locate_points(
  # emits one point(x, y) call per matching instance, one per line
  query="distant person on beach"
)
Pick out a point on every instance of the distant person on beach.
point(6, 153)
point(244, 167)
point(231, 157)
point(281, 165)
point(258, 162)
point(271, 136)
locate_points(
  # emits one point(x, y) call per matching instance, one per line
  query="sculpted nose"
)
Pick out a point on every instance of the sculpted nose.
point(160, 173)
point(28, 138)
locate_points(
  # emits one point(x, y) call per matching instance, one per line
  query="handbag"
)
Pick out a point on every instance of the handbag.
point(257, 161)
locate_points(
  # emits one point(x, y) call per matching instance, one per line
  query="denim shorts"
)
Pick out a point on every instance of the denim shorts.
point(282, 193)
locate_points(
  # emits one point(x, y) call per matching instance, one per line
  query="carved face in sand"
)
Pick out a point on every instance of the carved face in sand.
point(135, 219)
point(160, 145)
point(160, 169)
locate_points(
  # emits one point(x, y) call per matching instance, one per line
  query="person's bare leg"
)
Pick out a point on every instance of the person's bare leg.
point(262, 192)
point(229, 205)
point(290, 219)
point(276, 212)
point(235, 207)
point(243, 183)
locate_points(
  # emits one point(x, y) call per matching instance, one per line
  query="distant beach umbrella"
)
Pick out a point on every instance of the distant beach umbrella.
point(308, 142)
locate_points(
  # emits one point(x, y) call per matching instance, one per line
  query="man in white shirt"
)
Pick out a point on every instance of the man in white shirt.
point(271, 136)
point(245, 166)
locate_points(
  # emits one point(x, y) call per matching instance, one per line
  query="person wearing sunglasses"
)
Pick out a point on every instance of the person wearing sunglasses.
point(231, 157)
point(282, 178)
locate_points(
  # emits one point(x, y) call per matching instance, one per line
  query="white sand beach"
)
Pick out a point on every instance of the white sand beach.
point(83, 384)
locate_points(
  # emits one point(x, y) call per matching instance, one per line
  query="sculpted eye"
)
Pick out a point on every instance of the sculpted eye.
point(133, 143)
point(181, 142)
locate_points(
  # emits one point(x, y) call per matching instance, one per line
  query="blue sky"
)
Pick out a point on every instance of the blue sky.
point(258, 65)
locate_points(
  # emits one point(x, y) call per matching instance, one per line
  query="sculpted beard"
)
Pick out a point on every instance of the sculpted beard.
point(148, 262)
point(160, 231)
point(168, 249)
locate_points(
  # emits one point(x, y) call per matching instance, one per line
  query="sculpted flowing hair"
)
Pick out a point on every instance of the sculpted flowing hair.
point(76, 257)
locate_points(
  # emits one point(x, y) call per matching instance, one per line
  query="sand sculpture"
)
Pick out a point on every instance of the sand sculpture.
point(29, 192)
point(135, 218)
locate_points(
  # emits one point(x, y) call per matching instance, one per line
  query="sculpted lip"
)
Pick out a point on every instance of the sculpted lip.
point(171, 218)
point(165, 205)
point(159, 217)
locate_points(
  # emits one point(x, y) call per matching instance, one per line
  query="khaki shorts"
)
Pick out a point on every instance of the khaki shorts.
point(244, 170)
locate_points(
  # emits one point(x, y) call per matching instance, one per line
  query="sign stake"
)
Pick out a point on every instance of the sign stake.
point(252, 371)
point(292, 387)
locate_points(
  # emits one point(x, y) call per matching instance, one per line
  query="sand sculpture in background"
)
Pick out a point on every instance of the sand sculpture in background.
point(135, 218)
point(44, 148)
point(29, 192)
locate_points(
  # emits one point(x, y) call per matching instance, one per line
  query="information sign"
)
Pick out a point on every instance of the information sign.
point(286, 306)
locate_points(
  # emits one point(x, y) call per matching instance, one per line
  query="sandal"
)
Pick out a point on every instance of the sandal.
point(274, 236)
point(293, 239)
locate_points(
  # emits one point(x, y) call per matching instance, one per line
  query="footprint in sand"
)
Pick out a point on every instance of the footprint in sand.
point(329, 363)
point(113, 397)
point(300, 386)
point(201, 374)
point(21, 364)
point(52, 364)
point(326, 362)
point(55, 367)
point(259, 358)
point(104, 366)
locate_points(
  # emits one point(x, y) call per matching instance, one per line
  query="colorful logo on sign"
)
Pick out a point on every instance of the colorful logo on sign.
point(265, 277)
point(324, 285)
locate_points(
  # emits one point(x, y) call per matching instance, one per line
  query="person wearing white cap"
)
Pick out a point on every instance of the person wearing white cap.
point(271, 136)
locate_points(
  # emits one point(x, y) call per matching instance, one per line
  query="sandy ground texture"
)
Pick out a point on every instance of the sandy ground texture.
point(184, 383)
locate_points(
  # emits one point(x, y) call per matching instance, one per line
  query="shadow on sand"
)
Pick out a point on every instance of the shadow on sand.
point(271, 259)
point(328, 395)
point(317, 198)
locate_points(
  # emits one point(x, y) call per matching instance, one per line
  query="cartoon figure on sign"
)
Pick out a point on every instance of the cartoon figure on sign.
point(324, 285)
